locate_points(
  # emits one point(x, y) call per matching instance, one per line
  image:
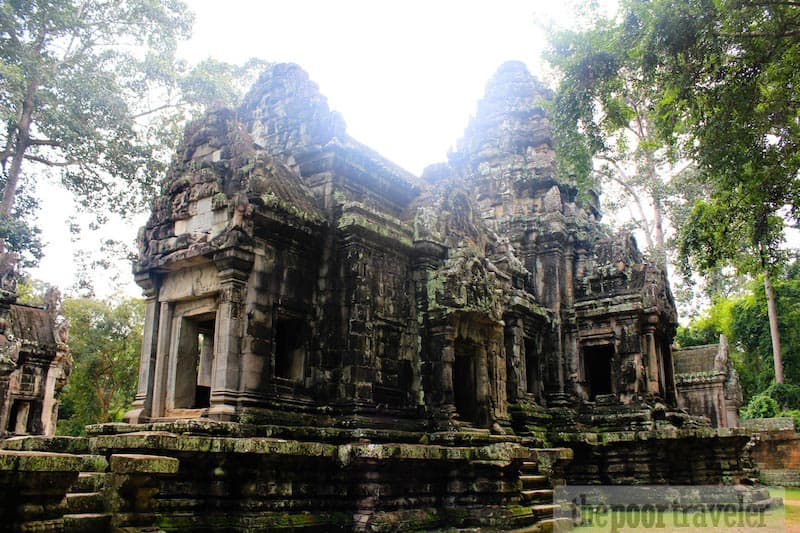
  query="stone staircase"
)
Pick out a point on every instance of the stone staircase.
point(86, 510)
point(536, 494)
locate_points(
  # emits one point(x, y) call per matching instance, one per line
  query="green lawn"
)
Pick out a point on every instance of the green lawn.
point(792, 508)
point(778, 520)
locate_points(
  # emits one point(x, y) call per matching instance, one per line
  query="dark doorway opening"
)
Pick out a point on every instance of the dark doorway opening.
point(668, 371)
point(195, 360)
point(597, 361)
point(533, 374)
point(205, 351)
point(289, 349)
point(465, 386)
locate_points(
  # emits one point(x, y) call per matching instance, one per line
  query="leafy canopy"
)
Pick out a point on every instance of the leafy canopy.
point(105, 341)
point(720, 82)
point(73, 79)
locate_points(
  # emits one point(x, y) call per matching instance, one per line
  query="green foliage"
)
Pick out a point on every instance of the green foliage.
point(706, 329)
point(727, 75)
point(605, 129)
point(91, 93)
point(696, 335)
point(75, 73)
point(793, 414)
point(787, 395)
point(105, 340)
point(742, 318)
point(717, 82)
point(760, 406)
point(19, 231)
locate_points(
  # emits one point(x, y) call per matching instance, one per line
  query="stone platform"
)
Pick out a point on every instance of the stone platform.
point(203, 475)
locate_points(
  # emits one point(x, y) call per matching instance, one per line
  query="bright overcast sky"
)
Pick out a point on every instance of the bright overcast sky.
point(406, 76)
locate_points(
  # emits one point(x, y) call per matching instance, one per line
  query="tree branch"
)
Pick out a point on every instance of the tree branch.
point(44, 142)
point(156, 110)
point(48, 162)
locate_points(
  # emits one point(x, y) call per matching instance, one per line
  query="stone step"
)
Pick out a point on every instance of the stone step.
point(545, 510)
point(89, 482)
point(531, 481)
point(87, 523)
point(556, 525)
point(85, 502)
point(548, 525)
point(537, 495)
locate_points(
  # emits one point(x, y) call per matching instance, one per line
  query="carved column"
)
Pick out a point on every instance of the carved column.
point(163, 344)
point(483, 385)
point(568, 285)
point(552, 258)
point(439, 393)
point(234, 265)
point(7, 368)
point(54, 382)
point(652, 358)
point(517, 371)
point(142, 404)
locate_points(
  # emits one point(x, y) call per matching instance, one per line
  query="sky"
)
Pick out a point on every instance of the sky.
point(406, 76)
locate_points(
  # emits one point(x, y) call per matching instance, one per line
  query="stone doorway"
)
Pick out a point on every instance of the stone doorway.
point(194, 360)
point(290, 348)
point(465, 382)
point(19, 422)
point(598, 362)
point(533, 373)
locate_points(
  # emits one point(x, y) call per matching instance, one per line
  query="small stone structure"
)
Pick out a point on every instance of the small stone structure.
point(34, 358)
point(708, 385)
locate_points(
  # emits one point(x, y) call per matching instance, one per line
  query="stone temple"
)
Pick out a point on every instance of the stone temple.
point(334, 344)
point(295, 276)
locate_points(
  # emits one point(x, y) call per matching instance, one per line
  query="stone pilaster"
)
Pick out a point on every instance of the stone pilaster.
point(142, 404)
point(653, 386)
point(163, 344)
point(233, 265)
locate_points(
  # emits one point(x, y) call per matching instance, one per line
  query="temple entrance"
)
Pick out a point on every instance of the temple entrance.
point(289, 349)
point(597, 363)
point(668, 373)
point(533, 374)
point(465, 383)
point(193, 363)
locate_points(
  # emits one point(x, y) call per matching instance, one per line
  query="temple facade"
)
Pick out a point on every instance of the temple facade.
point(708, 384)
point(34, 358)
point(295, 276)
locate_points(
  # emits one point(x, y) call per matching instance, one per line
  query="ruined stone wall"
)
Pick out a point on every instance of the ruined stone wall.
point(685, 457)
point(708, 384)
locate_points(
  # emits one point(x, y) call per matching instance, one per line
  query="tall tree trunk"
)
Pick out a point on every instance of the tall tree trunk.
point(772, 313)
point(21, 145)
point(658, 229)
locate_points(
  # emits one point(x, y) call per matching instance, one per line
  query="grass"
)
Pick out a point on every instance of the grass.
point(776, 520)
point(791, 498)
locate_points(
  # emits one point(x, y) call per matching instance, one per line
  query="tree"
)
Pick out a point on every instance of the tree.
point(74, 76)
point(105, 341)
point(91, 91)
point(722, 81)
point(728, 73)
point(605, 129)
point(743, 319)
